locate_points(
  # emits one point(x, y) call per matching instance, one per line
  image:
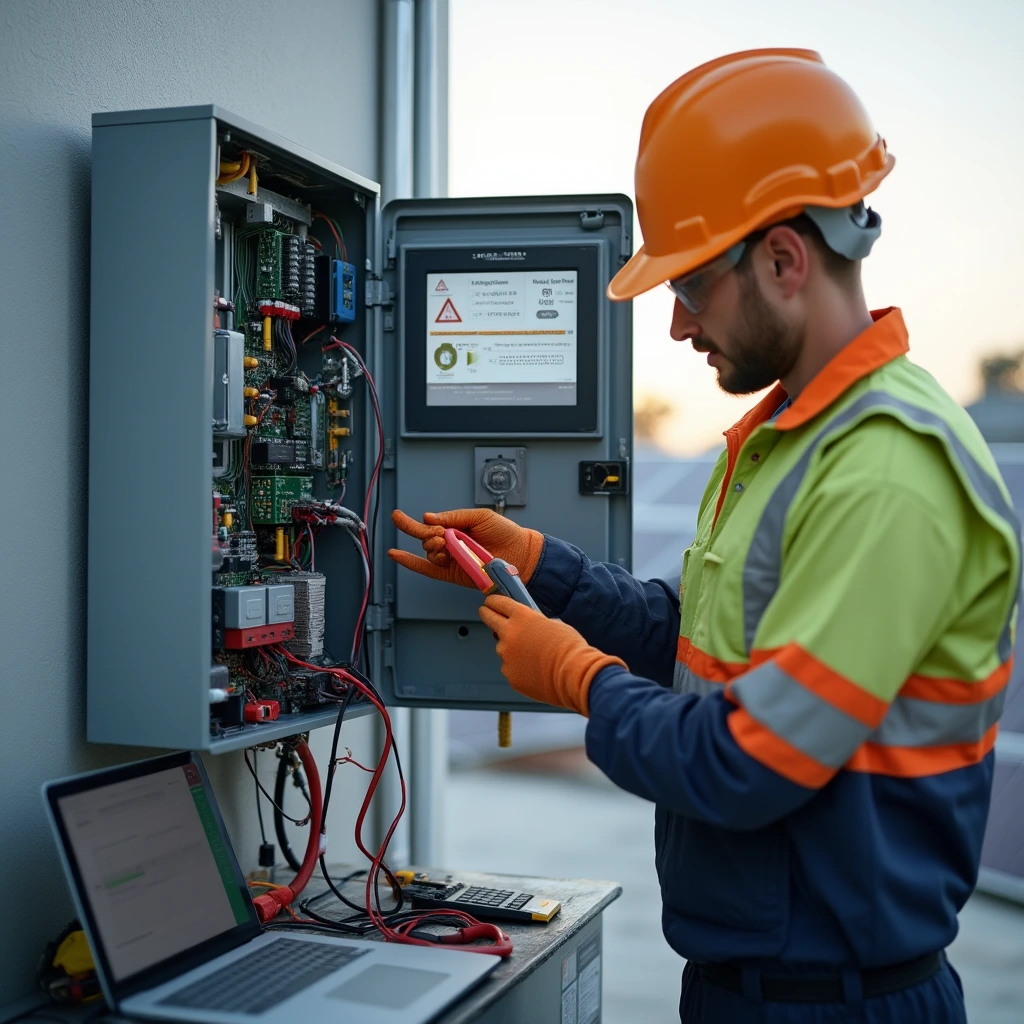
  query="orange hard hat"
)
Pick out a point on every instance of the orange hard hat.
point(736, 144)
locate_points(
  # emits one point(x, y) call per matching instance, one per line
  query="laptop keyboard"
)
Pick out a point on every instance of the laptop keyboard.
point(261, 980)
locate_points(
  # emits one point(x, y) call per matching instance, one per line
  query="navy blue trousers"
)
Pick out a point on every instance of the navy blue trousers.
point(939, 1000)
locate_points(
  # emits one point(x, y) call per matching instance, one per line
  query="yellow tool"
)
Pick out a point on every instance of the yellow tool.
point(504, 728)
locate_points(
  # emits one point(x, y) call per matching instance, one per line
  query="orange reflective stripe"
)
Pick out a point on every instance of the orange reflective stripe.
point(775, 753)
point(738, 433)
point(915, 762)
point(956, 691)
point(830, 686)
point(714, 670)
point(881, 343)
point(732, 445)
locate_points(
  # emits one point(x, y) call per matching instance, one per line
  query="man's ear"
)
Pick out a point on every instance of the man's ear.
point(789, 260)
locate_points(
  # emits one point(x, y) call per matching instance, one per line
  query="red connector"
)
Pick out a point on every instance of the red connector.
point(258, 636)
point(269, 905)
point(262, 711)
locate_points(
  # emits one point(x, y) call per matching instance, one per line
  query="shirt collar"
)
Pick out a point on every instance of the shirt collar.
point(882, 342)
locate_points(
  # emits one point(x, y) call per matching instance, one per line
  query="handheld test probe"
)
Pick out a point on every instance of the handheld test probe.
point(490, 575)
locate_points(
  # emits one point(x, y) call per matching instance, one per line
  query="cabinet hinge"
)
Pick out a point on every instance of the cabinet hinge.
point(378, 618)
point(378, 292)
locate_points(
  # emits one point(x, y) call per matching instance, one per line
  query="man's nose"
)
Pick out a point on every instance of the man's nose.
point(684, 324)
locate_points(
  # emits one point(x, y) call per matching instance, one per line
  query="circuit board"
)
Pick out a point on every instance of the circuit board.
point(273, 483)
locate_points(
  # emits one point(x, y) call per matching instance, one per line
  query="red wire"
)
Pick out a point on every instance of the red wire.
point(401, 933)
point(269, 905)
point(315, 331)
point(337, 237)
point(338, 343)
point(351, 680)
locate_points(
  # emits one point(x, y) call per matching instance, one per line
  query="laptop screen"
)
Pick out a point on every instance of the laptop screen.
point(154, 866)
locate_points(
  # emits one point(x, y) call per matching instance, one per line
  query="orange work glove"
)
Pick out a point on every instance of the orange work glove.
point(504, 539)
point(544, 658)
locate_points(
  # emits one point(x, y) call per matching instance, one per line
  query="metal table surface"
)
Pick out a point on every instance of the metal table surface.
point(534, 973)
point(583, 900)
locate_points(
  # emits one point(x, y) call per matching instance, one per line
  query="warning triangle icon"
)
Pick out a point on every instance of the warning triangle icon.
point(441, 286)
point(449, 314)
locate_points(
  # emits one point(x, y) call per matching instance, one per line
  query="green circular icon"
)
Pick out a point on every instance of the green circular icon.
point(445, 356)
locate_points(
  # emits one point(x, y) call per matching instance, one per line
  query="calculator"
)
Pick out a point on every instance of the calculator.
point(504, 904)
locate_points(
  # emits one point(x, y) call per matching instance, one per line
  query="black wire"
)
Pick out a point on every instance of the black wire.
point(328, 788)
point(259, 803)
point(318, 925)
point(372, 524)
point(296, 821)
point(332, 767)
point(279, 828)
point(310, 900)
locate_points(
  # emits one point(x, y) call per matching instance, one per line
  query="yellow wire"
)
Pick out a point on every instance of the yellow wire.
point(230, 171)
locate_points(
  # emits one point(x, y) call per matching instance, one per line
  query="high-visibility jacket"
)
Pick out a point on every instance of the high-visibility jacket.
point(814, 716)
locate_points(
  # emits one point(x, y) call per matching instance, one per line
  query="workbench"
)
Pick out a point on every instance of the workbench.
point(552, 977)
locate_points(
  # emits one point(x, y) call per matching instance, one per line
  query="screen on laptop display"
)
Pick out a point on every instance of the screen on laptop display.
point(157, 874)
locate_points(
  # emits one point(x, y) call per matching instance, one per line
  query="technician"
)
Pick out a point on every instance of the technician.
point(814, 714)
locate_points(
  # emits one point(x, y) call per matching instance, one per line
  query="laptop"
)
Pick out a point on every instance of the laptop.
point(173, 930)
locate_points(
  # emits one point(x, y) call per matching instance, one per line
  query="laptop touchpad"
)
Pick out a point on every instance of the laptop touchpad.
point(391, 987)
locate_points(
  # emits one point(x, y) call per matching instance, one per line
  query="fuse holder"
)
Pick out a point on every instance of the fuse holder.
point(258, 636)
point(262, 711)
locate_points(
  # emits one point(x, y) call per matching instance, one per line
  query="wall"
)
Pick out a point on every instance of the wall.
point(283, 66)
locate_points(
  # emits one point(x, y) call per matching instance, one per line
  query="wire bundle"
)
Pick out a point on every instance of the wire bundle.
point(281, 332)
point(393, 925)
point(371, 504)
point(339, 238)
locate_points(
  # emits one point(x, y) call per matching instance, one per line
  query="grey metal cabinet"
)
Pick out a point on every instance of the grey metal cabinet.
point(215, 241)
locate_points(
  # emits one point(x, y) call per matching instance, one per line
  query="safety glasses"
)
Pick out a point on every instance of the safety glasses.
point(693, 289)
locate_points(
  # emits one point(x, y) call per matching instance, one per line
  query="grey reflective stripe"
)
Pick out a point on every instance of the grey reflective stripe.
point(684, 680)
point(910, 722)
point(816, 728)
point(764, 557)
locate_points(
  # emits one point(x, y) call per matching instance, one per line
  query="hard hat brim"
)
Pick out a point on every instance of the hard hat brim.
point(645, 271)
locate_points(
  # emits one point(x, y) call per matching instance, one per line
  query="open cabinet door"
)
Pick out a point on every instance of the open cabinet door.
point(506, 382)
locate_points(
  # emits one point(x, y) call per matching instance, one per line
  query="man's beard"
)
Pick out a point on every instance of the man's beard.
point(762, 348)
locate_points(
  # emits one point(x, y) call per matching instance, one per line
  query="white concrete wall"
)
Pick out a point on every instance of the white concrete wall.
point(307, 69)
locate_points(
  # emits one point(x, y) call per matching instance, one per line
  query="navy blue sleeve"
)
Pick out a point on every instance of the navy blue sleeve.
point(613, 610)
point(676, 749)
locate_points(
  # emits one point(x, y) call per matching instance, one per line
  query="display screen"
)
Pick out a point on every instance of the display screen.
point(154, 868)
point(502, 339)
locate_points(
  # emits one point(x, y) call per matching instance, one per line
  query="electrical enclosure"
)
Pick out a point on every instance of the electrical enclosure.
point(235, 331)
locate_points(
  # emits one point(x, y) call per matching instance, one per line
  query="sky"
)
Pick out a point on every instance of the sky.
point(547, 96)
